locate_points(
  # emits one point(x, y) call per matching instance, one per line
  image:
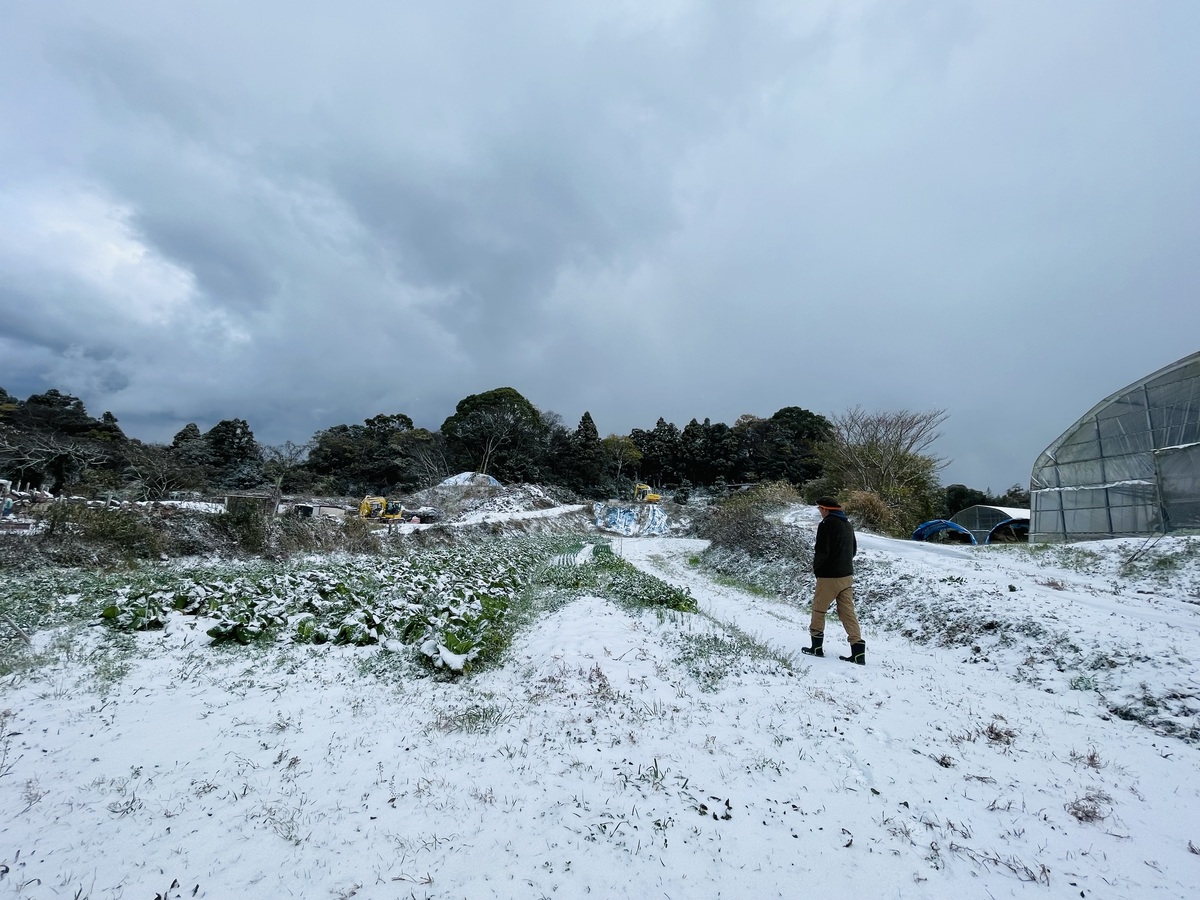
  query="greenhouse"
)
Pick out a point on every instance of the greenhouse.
point(1130, 466)
point(980, 520)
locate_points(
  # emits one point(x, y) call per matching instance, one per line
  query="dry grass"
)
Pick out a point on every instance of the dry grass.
point(1091, 807)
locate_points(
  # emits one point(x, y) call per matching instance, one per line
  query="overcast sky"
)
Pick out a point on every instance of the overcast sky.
point(304, 214)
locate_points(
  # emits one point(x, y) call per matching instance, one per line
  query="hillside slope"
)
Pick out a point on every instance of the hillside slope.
point(620, 752)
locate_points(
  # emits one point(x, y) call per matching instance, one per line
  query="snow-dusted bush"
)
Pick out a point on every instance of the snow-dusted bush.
point(869, 509)
point(740, 524)
point(79, 534)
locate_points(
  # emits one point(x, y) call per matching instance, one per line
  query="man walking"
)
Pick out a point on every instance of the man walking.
point(833, 564)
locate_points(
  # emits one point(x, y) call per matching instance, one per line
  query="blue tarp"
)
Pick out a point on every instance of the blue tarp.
point(631, 520)
point(926, 530)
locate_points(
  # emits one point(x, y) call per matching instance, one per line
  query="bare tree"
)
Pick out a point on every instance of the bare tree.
point(157, 471)
point(885, 453)
point(59, 458)
point(283, 463)
point(495, 429)
point(431, 462)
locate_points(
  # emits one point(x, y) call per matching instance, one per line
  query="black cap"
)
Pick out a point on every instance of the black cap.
point(828, 502)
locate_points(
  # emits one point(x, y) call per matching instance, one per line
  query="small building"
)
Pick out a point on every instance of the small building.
point(1129, 466)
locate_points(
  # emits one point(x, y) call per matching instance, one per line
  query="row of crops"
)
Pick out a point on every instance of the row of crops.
point(453, 606)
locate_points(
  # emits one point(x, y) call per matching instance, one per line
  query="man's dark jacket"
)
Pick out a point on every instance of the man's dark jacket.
point(833, 555)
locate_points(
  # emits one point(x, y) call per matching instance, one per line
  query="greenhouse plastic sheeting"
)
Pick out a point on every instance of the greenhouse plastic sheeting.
point(1179, 474)
point(1130, 466)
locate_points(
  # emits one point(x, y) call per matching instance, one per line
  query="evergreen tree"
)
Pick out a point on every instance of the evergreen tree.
point(722, 446)
point(792, 438)
point(660, 451)
point(958, 497)
point(586, 470)
point(51, 442)
point(694, 463)
point(497, 432)
point(235, 455)
point(381, 456)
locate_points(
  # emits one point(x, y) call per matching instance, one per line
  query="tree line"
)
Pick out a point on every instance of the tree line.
point(880, 461)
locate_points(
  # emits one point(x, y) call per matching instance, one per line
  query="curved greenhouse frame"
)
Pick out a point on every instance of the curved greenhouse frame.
point(1130, 466)
point(981, 519)
point(1010, 531)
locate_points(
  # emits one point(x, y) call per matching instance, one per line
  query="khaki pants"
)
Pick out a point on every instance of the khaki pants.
point(841, 590)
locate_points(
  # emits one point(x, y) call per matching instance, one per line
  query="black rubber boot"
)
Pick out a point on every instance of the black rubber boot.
point(858, 653)
point(818, 640)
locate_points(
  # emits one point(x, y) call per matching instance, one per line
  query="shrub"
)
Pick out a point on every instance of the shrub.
point(357, 536)
point(246, 525)
point(124, 533)
point(739, 523)
point(870, 509)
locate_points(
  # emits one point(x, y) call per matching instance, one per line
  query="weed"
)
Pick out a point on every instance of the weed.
point(1082, 682)
point(6, 737)
point(1091, 759)
point(762, 763)
point(598, 685)
point(999, 734)
point(487, 797)
point(1079, 559)
point(475, 719)
point(83, 533)
point(740, 524)
point(31, 793)
point(984, 859)
point(982, 779)
point(1091, 807)
point(743, 585)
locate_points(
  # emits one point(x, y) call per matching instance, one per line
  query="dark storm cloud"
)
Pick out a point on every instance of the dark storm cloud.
point(678, 209)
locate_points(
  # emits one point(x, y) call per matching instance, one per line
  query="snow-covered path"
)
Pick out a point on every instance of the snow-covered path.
point(1001, 744)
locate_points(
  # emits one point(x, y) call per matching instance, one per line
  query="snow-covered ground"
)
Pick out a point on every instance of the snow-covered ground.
point(621, 754)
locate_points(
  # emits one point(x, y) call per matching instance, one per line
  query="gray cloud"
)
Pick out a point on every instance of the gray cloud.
point(304, 216)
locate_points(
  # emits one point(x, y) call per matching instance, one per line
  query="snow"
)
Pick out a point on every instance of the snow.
point(490, 513)
point(597, 761)
point(468, 478)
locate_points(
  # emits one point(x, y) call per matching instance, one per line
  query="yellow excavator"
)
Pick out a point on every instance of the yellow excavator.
point(643, 494)
point(393, 511)
point(379, 508)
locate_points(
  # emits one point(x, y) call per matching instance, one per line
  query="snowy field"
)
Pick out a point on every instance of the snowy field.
point(1025, 727)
